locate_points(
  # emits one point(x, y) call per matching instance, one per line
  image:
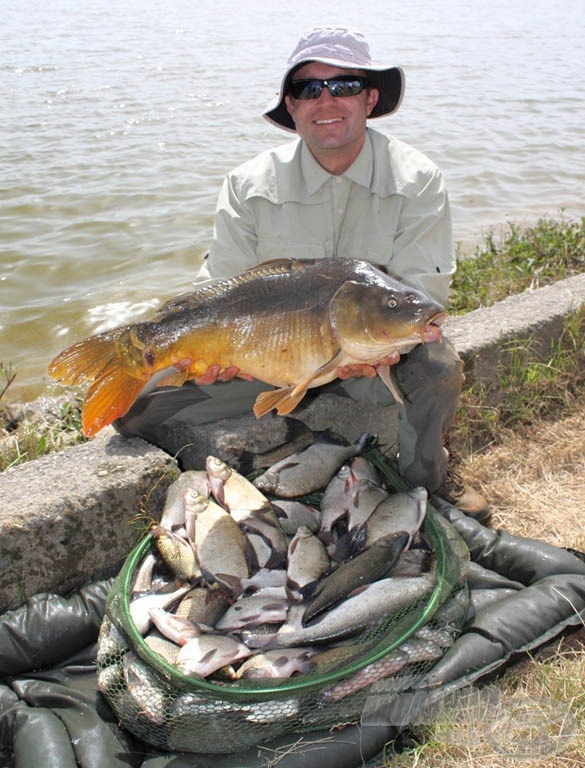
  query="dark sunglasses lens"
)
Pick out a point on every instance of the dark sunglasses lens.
point(342, 86)
point(345, 87)
point(306, 89)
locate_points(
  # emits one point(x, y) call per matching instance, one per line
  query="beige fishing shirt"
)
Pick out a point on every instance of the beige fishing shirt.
point(389, 208)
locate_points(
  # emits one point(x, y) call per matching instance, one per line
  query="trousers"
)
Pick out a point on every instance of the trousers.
point(429, 379)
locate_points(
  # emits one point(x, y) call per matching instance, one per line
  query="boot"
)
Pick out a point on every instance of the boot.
point(469, 501)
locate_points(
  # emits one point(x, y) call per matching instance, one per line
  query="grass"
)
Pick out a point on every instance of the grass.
point(537, 381)
point(32, 439)
point(534, 380)
point(533, 717)
point(523, 258)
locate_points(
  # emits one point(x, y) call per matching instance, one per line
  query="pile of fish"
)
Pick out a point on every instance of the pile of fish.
point(246, 581)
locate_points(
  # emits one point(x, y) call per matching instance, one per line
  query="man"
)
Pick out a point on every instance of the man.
point(343, 190)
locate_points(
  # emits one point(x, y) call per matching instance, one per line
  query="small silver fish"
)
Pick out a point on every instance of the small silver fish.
point(388, 665)
point(340, 491)
point(365, 499)
point(292, 514)
point(413, 562)
point(165, 648)
point(177, 552)
point(141, 606)
point(204, 655)
point(265, 577)
point(399, 512)
point(365, 608)
point(263, 552)
point(202, 606)
point(310, 469)
point(336, 501)
point(266, 537)
point(441, 636)
point(371, 564)
point(252, 610)
point(221, 546)
point(110, 680)
point(261, 636)
point(419, 649)
point(112, 643)
point(173, 514)
point(307, 559)
point(282, 663)
point(175, 628)
point(143, 579)
point(144, 689)
point(232, 490)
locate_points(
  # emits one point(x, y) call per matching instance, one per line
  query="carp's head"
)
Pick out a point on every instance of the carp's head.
point(372, 320)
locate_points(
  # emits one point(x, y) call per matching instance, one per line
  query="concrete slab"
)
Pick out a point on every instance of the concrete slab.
point(480, 336)
point(69, 515)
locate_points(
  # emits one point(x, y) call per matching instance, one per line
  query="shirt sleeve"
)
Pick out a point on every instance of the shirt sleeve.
point(423, 253)
point(233, 247)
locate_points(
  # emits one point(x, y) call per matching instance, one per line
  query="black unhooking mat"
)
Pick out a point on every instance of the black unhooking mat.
point(524, 593)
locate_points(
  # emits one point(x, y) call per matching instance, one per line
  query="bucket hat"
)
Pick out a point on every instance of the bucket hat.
point(339, 47)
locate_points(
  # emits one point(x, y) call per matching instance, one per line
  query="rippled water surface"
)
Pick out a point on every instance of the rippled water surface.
point(120, 120)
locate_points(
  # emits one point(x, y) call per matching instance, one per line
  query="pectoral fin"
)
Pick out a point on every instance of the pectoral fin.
point(281, 399)
point(286, 399)
point(386, 376)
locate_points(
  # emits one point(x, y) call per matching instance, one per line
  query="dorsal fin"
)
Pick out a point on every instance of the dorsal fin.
point(217, 288)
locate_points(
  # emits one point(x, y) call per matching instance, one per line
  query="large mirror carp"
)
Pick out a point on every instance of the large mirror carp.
point(294, 324)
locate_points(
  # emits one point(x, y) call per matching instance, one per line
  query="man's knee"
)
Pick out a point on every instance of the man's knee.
point(434, 364)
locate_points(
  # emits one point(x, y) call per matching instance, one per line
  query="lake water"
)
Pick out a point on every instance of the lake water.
point(119, 121)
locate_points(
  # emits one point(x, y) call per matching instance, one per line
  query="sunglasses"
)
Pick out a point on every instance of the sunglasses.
point(342, 85)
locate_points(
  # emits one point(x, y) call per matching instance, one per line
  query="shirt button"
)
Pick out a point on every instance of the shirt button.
point(338, 179)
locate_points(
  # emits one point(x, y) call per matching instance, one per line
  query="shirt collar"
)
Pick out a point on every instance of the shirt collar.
point(360, 171)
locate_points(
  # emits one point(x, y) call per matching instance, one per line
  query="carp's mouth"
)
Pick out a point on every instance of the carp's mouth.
point(432, 330)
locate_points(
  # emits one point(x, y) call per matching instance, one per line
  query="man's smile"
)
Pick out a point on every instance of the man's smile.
point(328, 121)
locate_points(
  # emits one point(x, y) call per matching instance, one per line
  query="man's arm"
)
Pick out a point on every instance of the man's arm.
point(423, 253)
point(233, 247)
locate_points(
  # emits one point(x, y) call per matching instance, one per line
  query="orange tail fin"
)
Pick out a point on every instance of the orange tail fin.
point(284, 400)
point(113, 389)
point(84, 360)
point(108, 398)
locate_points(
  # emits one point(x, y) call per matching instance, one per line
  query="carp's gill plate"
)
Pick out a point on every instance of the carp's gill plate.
point(291, 324)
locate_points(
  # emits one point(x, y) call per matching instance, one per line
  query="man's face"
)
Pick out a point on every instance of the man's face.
point(331, 124)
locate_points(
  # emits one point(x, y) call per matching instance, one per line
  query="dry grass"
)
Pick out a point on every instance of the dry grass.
point(535, 481)
point(535, 716)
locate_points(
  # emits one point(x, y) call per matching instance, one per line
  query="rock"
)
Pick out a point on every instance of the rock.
point(70, 515)
point(235, 438)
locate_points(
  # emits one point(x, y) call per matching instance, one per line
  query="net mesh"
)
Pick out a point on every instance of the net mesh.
point(174, 711)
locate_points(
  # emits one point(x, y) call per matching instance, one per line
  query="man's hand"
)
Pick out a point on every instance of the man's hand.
point(217, 373)
point(355, 370)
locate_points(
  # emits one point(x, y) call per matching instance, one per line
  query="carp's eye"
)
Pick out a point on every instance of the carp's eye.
point(392, 303)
